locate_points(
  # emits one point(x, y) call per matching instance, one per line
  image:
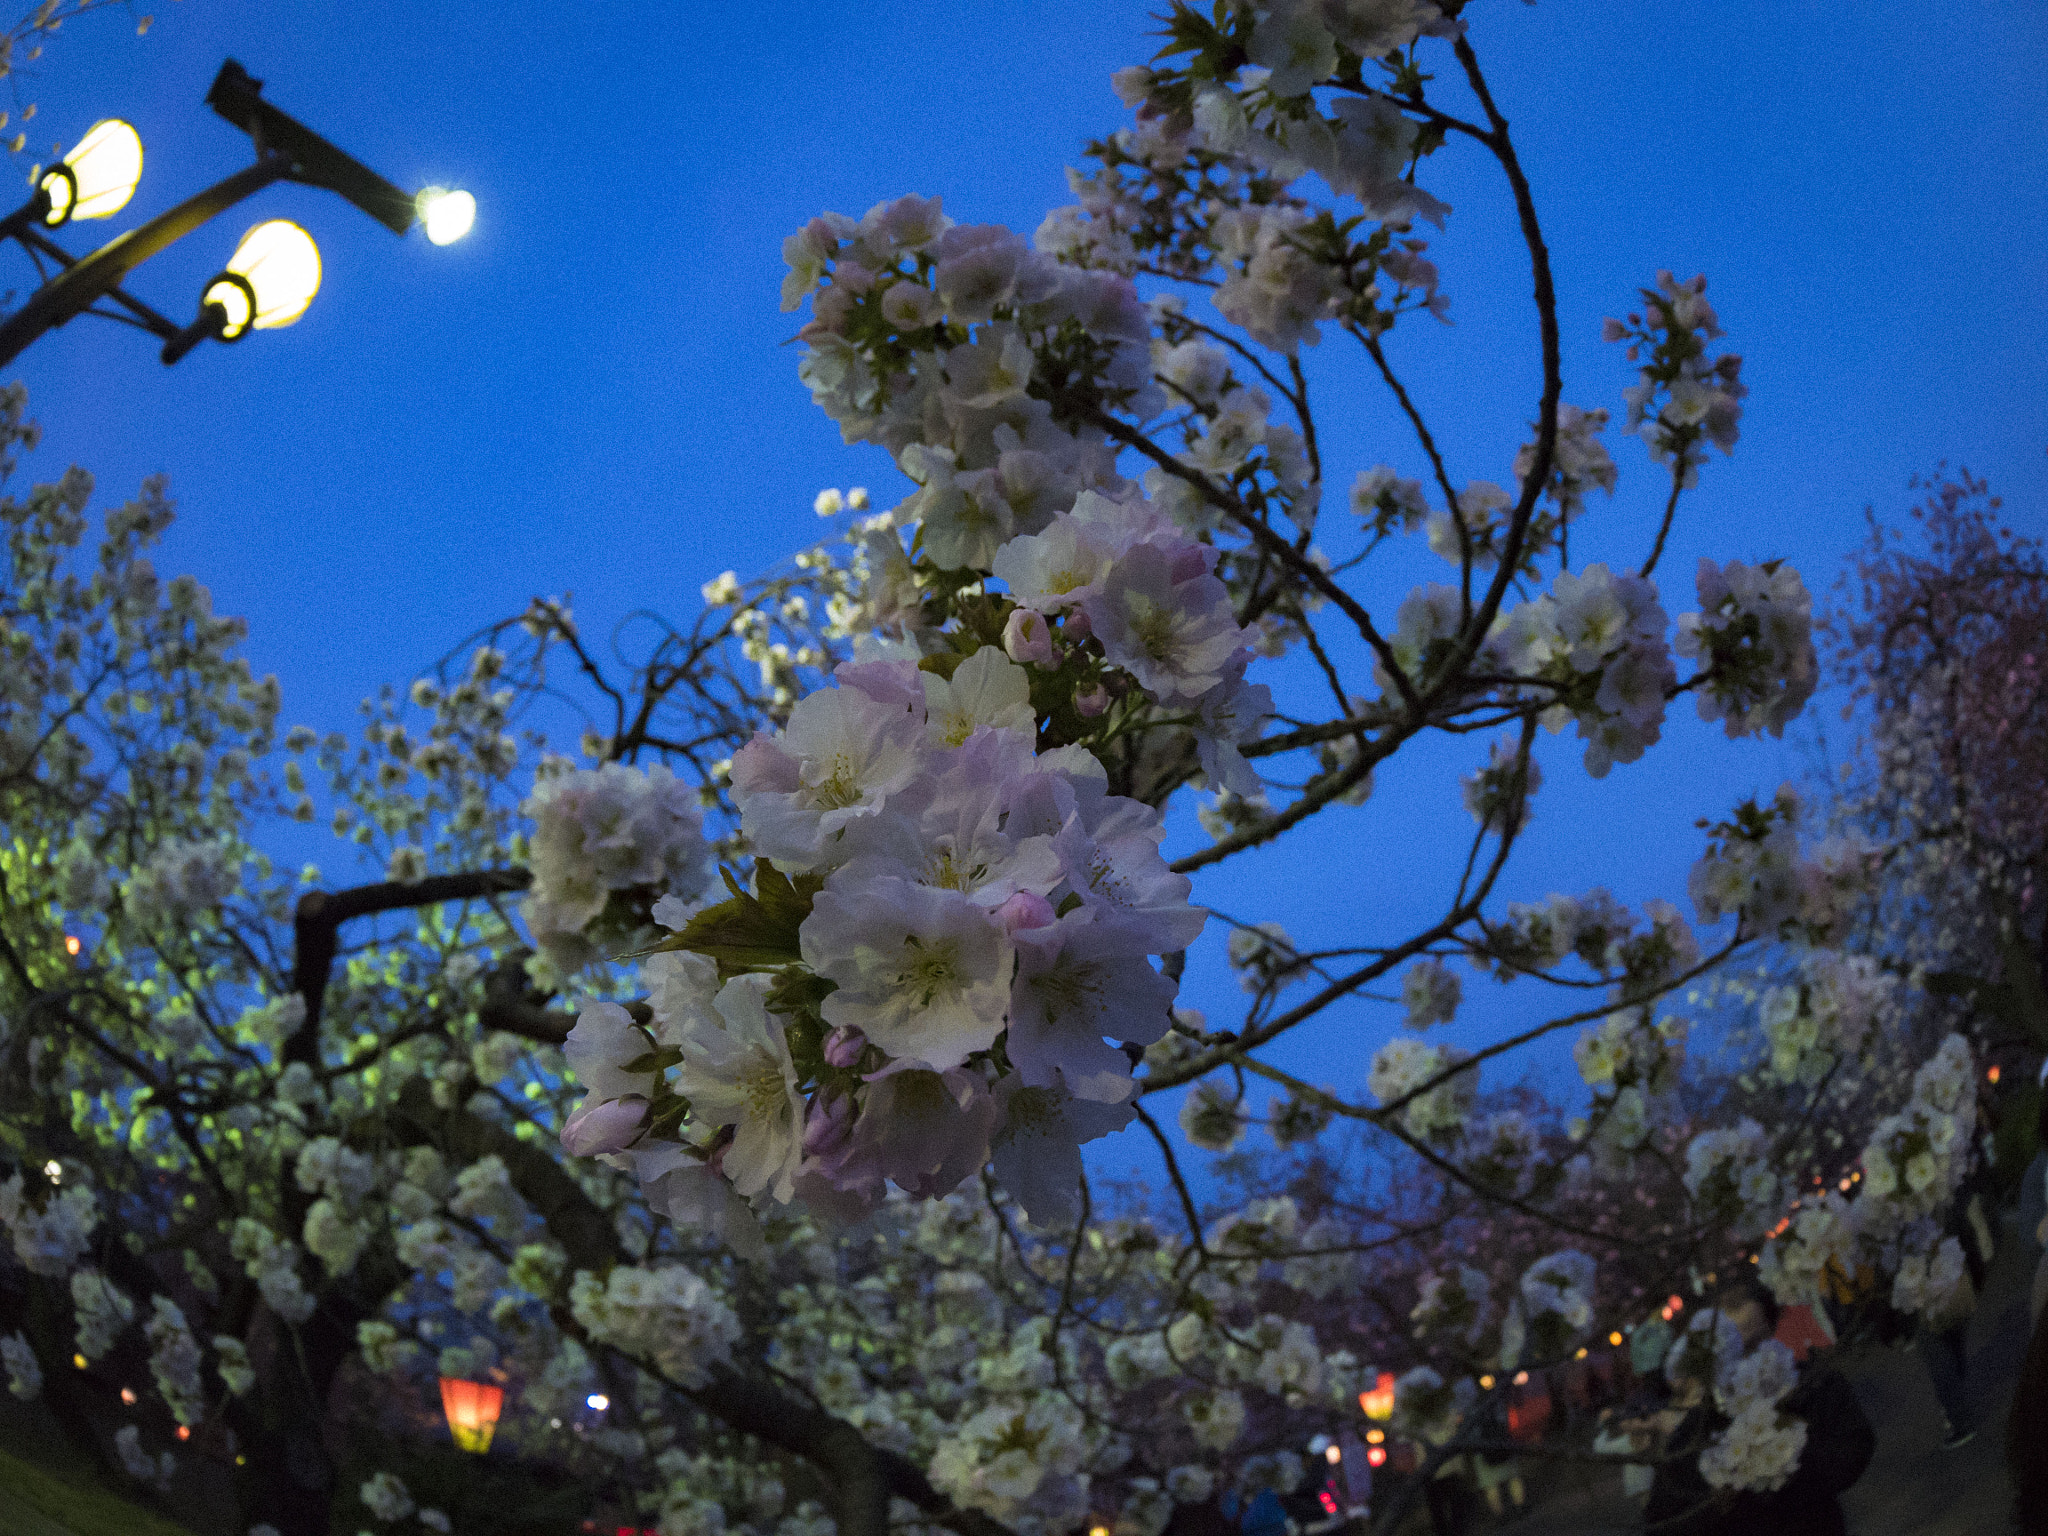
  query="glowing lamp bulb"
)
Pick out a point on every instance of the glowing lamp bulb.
point(597, 1401)
point(98, 177)
point(1376, 1457)
point(1333, 1455)
point(1521, 1378)
point(128, 1396)
point(446, 215)
point(73, 944)
point(1992, 1074)
point(472, 1408)
point(54, 1171)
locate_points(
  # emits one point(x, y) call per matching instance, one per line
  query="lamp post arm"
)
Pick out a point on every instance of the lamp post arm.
point(144, 316)
point(237, 96)
point(91, 278)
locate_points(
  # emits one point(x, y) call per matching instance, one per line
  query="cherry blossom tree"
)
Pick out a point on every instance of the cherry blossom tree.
point(1942, 643)
point(737, 1070)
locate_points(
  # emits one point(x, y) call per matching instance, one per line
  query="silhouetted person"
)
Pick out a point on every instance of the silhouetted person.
point(1839, 1445)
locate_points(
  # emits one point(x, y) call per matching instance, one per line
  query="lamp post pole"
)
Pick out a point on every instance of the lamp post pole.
point(286, 150)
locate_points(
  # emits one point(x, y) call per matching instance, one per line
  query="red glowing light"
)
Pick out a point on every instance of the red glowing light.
point(1676, 1303)
point(184, 1431)
point(1328, 1500)
point(1992, 1075)
point(72, 945)
point(1376, 1456)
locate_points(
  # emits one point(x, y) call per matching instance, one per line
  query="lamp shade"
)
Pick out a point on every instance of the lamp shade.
point(281, 266)
point(103, 167)
point(446, 215)
point(1378, 1400)
point(472, 1409)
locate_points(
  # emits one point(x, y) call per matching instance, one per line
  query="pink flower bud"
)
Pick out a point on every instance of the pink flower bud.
point(1026, 909)
point(1025, 637)
point(1077, 628)
point(1093, 702)
point(610, 1125)
point(844, 1045)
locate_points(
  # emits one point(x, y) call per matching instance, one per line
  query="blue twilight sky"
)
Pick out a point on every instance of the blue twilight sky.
point(592, 394)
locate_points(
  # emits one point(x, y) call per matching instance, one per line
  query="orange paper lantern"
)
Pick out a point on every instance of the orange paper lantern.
point(472, 1409)
point(1378, 1402)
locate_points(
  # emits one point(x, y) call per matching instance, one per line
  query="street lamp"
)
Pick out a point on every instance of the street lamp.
point(269, 281)
point(94, 181)
point(273, 274)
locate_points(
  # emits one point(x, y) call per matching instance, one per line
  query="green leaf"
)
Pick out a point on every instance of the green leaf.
point(752, 931)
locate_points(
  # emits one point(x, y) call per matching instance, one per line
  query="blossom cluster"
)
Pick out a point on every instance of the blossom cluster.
point(1819, 1241)
point(597, 831)
point(1552, 1308)
point(174, 1360)
point(968, 938)
point(103, 1310)
point(179, 884)
point(980, 918)
point(1753, 640)
point(1430, 993)
point(1733, 1178)
point(1758, 1449)
point(1915, 1159)
point(50, 1238)
point(1828, 1014)
point(1596, 642)
point(1930, 1277)
point(1684, 398)
point(154, 1470)
point(1755, 866)
point(666, 1314)
point(1405, 1064)
point(24, 1373)
point(273, 1265)
point(1913, 1162)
